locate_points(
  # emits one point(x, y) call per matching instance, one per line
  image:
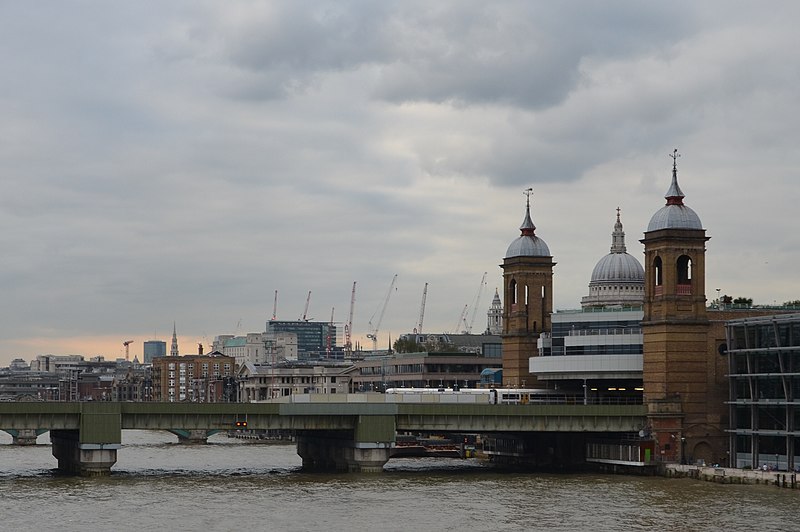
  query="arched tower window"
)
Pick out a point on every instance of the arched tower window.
point(658, 289)
point(684, 265)
point(526, 295)
point(684, 270)
point(512, 289)
point(658, 270)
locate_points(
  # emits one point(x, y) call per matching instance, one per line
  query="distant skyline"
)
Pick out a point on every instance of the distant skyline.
point(180, 161)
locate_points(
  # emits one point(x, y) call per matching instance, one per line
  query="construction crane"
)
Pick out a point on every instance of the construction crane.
point(348, 327)
point(373, 334)
point(476, 303)
point(126, 344)
point(461, 319)
point(305, 310)
point(275, 307)
point(418, 328)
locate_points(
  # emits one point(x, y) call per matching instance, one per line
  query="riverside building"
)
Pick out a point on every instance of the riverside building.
point(764, 370)
point(684, 363)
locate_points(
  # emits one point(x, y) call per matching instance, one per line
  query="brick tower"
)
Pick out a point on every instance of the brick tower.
point(528, 300)
point(675, 327)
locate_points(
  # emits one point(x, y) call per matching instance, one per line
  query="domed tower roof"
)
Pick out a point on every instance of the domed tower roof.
point(528, 244)
point(674, 215)
point(618, 278)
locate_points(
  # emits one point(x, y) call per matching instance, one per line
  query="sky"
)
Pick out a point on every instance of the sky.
point(177, 162)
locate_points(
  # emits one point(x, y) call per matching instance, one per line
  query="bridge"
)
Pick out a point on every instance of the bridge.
point(354, 432)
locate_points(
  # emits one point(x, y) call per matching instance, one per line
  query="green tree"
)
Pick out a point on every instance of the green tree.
point(795, 303)
point(743, 301)
point(406, 345)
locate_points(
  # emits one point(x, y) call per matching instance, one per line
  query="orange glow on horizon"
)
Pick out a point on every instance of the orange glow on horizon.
point(109, 347)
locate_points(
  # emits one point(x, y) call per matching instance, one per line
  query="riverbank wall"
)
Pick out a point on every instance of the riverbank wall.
point(723, 475)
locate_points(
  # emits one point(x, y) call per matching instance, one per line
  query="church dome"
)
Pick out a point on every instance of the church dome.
point(527, 244)
point(674, 215)
point(618, 278)
point(618, 267)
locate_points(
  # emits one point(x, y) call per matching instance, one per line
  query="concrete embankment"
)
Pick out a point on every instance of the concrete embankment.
point(722, 475)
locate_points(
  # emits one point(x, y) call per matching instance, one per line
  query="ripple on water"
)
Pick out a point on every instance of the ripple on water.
point(230, 485)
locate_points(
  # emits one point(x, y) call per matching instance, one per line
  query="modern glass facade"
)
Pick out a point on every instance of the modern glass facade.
point(315, 339)
point(764, 361)
point(154, 348)
point(601, 331)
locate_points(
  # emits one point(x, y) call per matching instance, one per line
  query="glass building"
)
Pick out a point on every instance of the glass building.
point(315, 339)
point(764, 361)
point(154, 348)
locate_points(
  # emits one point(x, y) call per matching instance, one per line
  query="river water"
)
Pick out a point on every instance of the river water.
point(233, 484)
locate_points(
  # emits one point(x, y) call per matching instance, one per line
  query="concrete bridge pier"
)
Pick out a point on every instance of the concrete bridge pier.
point(192, 436)
point(367, 457)
point(23, 436)
point(321, 453)
point(84, 459)
point(317, 453)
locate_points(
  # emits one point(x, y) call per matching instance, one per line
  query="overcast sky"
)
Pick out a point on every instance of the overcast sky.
point(179, 161)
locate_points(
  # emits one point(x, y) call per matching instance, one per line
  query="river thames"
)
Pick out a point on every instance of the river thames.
point(233, 484)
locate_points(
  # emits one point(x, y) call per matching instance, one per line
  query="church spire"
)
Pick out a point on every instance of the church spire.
point(173, 350)
point(618, 237)
point(674, 195)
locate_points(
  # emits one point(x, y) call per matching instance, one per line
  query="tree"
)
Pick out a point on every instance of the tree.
point(407, 345)
point(795, 303)
point(743, 301)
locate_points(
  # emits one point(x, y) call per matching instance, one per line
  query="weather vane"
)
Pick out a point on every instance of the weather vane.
point(528, 192)
point(675, 156)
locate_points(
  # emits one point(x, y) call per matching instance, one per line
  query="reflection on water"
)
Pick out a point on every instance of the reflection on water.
point(233, 484)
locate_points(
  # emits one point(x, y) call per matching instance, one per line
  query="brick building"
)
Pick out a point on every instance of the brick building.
point(196, 378)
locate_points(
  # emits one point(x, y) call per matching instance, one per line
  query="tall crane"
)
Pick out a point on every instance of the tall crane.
point(126, 344)
point(373, 334)
point(348, 327)
point(461, 319)
point(305, 310)
point(476, 303)
point(418, 328)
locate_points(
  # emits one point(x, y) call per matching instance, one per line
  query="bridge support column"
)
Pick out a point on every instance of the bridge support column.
point(367, 458)
point(23, 436)
point(321, 453)
point(85, 459)
point(364, 450)
point(192, 436)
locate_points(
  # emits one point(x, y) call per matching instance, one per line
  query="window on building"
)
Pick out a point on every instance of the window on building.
point(684, 269)
point(658, 273)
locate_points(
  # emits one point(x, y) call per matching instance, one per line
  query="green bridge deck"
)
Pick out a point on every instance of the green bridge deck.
point(351, 433)
point(102, 422)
